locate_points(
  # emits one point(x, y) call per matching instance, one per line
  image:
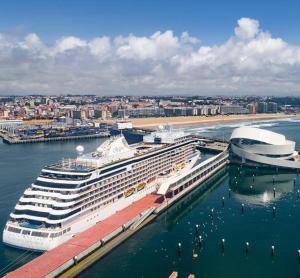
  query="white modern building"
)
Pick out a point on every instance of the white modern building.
point(254, 146)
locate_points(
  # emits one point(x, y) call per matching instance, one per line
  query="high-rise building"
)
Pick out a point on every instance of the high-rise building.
point(252, 108)
point(233, 109)
point(262, 107)
point(272, 107)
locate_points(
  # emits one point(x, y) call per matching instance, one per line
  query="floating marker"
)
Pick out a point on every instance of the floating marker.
point(194, 255)
point(273, 250)
point(274, 210)
point(274, 192)
point(212, 213)
point(273, 179)
point(247, 247)
point(179, 249)
point(197, 229)
point(223, 244)
point(298, 193)
point(298, 254)
point(200, 240)
point(243, 208)
point(223, 201)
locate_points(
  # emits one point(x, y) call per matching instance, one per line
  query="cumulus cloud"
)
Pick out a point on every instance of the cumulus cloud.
point(251, 61)
point(247, 28)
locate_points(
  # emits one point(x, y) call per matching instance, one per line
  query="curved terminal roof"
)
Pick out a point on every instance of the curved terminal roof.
point(261, 135)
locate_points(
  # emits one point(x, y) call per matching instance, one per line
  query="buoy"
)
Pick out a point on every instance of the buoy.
point(273, 250)
point(298, 193)
point(298, 255)
point(212, 213)
point(223, 201)
point(197, 229)
point(274, 210)
point(223, 244)
point(274, 192)
point(179, 249)
point(243, 207)
point(194, 255)
point(200, 241)
point(247, 247)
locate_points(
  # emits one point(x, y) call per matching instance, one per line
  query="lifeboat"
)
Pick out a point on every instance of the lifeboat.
point(141, 186)
point(129, 192)
point(151, 179)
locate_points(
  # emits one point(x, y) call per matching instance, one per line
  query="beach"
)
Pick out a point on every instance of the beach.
point(196, 120)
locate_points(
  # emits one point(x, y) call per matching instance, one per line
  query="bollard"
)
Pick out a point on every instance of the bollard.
point(75, 259)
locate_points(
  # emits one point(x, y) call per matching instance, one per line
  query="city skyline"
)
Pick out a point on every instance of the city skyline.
point(58, 49)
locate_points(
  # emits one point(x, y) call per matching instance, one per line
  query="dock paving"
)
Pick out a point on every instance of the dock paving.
point(54, 258)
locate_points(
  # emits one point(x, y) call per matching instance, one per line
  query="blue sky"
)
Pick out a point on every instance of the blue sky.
point(211, 21)
point(154, 47)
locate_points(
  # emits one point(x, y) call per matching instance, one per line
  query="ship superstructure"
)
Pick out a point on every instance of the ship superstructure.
point(72, 195)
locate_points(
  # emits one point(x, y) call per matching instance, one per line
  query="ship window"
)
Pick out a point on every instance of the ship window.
point(39, 234)
point(25, 232)
point(14, 230)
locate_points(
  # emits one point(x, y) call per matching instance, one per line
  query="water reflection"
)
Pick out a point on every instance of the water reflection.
point(256, 186)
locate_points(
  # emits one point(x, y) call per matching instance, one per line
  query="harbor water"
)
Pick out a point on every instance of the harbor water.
point(245, 214)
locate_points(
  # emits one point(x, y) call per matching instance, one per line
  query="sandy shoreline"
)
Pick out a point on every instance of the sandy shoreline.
point(193, 120)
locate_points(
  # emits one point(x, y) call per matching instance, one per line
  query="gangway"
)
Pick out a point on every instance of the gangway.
point(142, 218)
point(162, 190)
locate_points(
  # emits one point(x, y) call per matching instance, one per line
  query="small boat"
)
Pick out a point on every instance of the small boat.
point(141, 186)
point(129, 192)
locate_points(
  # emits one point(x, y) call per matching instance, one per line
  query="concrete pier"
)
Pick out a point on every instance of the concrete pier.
point(8, 139)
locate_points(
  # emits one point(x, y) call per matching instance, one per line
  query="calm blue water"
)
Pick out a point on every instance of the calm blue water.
point(153, 251)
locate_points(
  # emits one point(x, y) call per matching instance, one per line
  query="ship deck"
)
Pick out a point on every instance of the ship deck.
point(54, 258)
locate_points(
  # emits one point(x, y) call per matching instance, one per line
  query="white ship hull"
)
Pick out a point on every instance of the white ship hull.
point(71, 196)
point(43, 244)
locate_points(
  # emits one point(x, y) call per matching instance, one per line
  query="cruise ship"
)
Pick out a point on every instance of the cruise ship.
point(73, 195)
